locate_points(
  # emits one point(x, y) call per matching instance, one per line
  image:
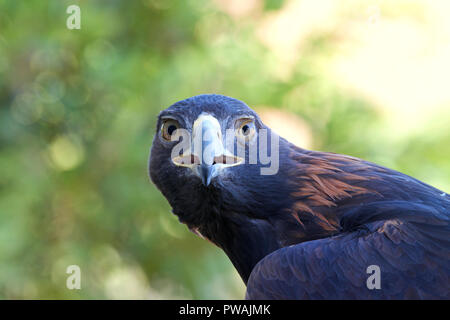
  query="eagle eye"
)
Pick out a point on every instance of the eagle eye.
point(245, 129)
point(168, 128)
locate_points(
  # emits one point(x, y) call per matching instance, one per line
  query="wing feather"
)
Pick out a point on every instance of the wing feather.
point(413, 257)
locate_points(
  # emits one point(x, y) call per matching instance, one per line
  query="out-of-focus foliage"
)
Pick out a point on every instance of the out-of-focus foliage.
point(78, 111)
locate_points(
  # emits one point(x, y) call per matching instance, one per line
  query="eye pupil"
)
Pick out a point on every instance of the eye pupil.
point(245, 129)
point(171, 129)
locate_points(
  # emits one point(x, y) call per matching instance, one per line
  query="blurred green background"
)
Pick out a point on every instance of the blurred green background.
point(78, 110)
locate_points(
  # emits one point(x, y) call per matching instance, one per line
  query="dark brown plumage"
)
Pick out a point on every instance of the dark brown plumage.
point(311, 230)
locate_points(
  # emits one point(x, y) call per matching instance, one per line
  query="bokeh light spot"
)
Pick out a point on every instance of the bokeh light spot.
point(66, 153)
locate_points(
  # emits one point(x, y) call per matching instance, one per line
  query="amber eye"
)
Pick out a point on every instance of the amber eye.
point(245, 129)
point(168, 128)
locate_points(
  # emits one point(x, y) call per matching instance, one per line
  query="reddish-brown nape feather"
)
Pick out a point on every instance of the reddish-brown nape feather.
point(322, 180)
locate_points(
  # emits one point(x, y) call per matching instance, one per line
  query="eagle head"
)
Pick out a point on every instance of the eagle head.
point(206, 160)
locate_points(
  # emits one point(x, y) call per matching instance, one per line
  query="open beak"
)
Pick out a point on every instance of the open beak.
point(208, 155)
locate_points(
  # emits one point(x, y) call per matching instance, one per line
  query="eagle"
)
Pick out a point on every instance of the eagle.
point(319, 226)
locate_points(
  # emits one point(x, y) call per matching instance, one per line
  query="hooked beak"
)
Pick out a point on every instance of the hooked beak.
point(208, 155)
